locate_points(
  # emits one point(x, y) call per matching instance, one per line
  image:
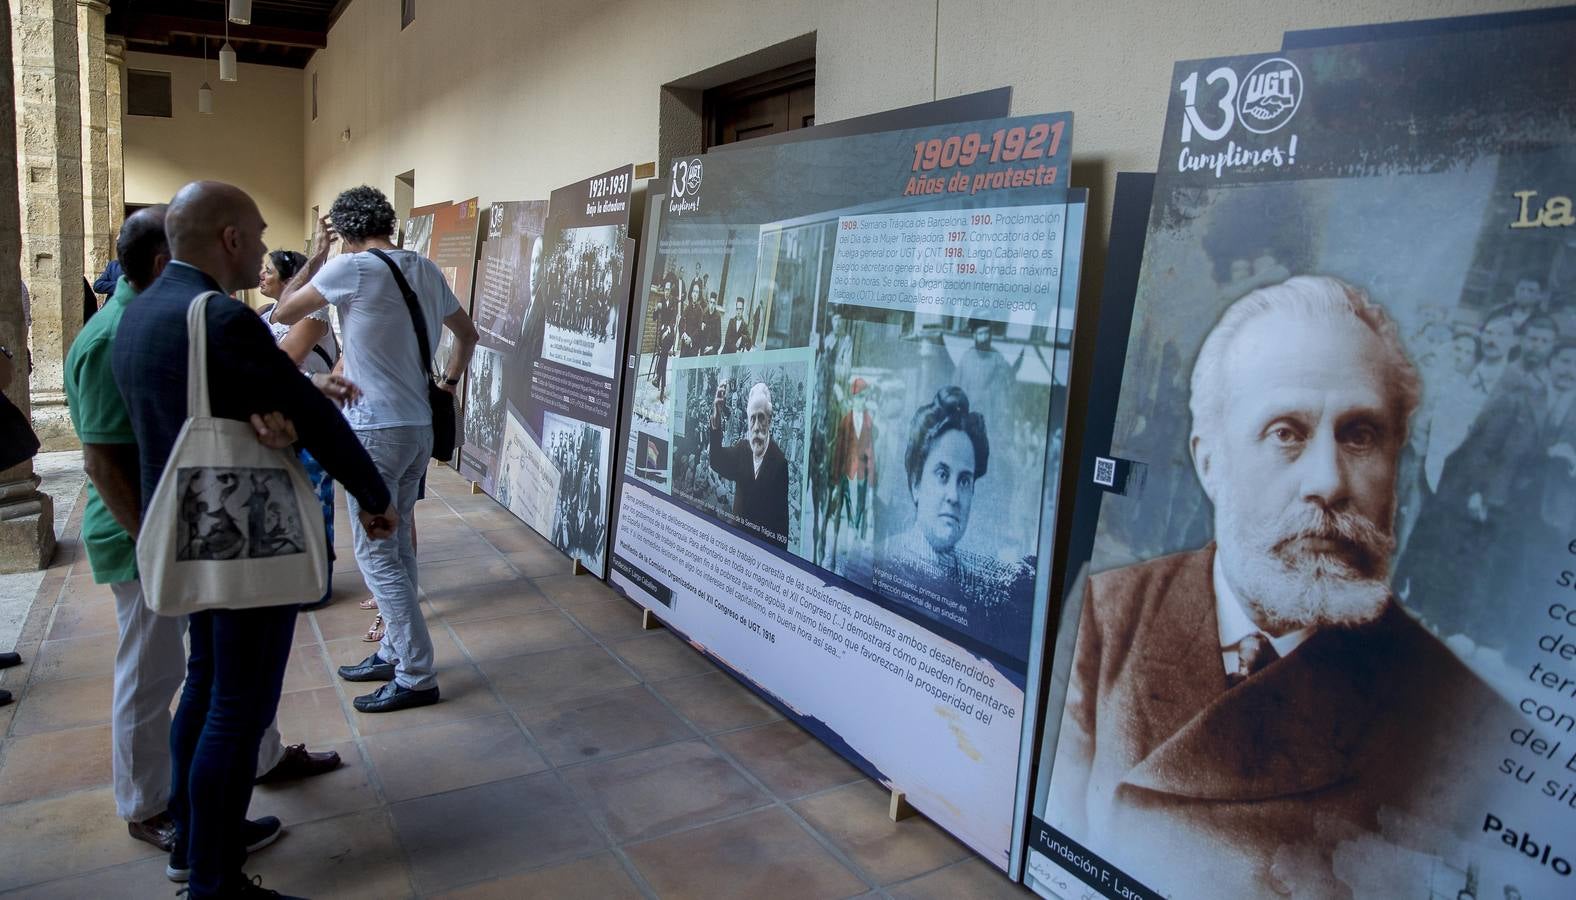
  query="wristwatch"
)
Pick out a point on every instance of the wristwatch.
point(451, 382)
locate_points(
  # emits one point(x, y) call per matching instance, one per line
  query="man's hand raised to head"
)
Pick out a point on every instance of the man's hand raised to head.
point(379, 525)
point(324, 237)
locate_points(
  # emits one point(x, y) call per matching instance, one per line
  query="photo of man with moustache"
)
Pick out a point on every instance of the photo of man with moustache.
point(756, 465)
point(1244, 710)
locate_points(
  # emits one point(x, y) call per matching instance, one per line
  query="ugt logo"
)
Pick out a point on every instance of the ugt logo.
point(684, 186)
point(1270, 95)
point(1263, 102)
point(686, 178)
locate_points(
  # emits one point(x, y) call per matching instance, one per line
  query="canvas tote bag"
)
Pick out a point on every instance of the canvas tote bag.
point(232, 524)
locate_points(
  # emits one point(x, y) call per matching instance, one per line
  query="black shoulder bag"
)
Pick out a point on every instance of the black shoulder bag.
point(441, 401)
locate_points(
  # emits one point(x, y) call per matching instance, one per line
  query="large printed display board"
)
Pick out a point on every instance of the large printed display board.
point(553, 310)
point(446, 234)
point(1326, 648)
point(849, 371)
point(498, 372)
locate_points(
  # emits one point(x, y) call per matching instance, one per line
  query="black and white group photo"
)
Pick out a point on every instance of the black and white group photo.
point(701, 301)
point(582, 275)
point(579, 451)
point(484, 403)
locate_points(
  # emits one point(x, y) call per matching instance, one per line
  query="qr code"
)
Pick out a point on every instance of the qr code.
point(1105, 471)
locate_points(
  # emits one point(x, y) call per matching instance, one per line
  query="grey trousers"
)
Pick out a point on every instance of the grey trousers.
point(150, 664)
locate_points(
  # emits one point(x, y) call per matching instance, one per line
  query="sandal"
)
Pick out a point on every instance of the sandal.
point(368, 603)
point(374, 634)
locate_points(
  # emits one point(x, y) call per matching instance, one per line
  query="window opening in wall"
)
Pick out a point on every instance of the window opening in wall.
point(404, 198)
point(782, 99)
point(407, 13)
point(148, 94)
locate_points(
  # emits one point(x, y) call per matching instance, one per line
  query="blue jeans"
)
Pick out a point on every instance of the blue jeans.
point(234, 672)
point(389, 565)
point(323, 487)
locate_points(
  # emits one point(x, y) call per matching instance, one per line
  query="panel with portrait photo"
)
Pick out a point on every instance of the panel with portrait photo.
point(1312, 615)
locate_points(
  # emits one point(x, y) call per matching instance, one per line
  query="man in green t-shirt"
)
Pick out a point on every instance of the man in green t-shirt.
point(150, 660)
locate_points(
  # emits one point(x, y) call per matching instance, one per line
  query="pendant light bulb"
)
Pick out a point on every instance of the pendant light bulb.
point(205, 93)
point(227, 62)
point(241, 12)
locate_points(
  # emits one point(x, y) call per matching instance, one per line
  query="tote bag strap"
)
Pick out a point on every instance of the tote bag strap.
point(197, 405)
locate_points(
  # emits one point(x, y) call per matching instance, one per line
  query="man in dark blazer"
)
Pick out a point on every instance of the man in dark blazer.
point(738, 338)
point(1238, 713)
point(756, 466)
point(237, 657)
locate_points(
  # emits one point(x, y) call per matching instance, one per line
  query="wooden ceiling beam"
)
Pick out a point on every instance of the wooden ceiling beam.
point(159, 29)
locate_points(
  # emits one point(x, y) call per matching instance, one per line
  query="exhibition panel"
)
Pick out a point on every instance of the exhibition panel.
point(846, 420)
point(555, 305)
point(498, 373)
point(1321, 644)
point(446, 234)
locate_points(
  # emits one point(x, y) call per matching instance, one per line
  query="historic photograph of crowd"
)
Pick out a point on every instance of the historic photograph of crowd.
point(582, 270)
point(238, 513)
point(484, 404)
point(701, 301)
point(578, 450)
point(740, 452)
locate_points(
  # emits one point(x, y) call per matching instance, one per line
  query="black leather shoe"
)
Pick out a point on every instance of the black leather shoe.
point(5, 696)
point(391, 697)
point(7, 660)
point(373, 668)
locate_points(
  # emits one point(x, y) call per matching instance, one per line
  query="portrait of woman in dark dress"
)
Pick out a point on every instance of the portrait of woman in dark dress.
point(948, 451)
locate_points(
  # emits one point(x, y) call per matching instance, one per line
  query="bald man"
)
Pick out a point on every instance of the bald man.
point(237, 657)
point(755, 465)
point(150, 656)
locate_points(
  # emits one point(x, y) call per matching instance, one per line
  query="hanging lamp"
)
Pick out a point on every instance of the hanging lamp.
point(241, 12)
point(205, 93)
point(227, 56)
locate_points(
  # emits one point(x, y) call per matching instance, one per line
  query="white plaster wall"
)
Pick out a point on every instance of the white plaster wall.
point(253, 139)
point(507, 99)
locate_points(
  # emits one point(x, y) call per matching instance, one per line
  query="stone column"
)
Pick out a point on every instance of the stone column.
point(98, 244)
point(27, 516)
point(115, 53)
point(49, 167)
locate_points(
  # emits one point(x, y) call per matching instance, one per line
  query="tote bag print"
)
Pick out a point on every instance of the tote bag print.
point(232, 524)
point(236, 512)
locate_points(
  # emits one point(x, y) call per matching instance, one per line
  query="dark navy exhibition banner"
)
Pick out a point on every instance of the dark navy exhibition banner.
point(497, 374)
point(849, 370)
point(562, 373)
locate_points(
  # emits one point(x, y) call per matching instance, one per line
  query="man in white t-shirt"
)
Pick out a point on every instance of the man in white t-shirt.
point(393, 418)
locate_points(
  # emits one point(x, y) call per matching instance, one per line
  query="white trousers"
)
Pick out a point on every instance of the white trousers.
point(150, 665)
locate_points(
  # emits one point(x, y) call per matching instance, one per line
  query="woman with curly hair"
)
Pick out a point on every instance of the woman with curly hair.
point(948, 452)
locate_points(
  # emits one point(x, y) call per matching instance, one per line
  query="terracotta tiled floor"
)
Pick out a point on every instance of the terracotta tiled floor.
point(573, 755)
